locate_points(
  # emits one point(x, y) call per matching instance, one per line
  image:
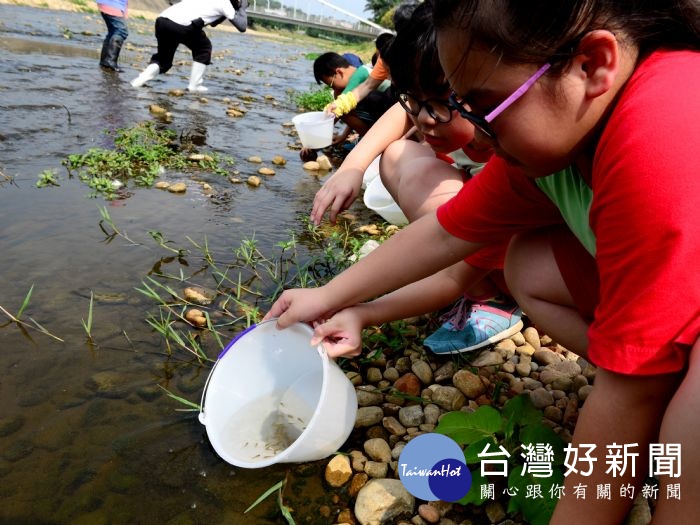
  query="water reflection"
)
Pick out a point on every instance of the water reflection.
point(87, 434)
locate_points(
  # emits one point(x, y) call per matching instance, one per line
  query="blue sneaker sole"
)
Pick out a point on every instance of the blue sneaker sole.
point(491, 340)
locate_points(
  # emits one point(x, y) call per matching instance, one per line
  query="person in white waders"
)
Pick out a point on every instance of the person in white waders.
point(183, 23)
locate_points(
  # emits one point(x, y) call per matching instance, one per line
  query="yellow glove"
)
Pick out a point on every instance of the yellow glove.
point(344, 104)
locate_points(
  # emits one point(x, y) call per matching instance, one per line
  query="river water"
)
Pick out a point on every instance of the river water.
point(85, 435)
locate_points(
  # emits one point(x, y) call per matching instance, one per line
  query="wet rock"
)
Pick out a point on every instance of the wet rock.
point(254, 181)
point(176, 93)
point(149, 393)
point(278, 160)
point(324, 163)
point(255, 159)
point(266, 171)
point(391, 374)
point(9, 425)
point(358, 460)
point(178, 187)
point(235, 113)
point(112, 385)
point(198, 295)
point(374, 375)
point(382, 500)
point(338, 470)
point(584, 392)
point(17, 450)
point(157, 110)
point(196, 317)
point(311, 165)
point(161, 185)
point(431, 414)
point(546, 357)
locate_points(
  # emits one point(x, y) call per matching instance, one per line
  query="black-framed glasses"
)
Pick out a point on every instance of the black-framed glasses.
point(438, 109)
point(483, 124)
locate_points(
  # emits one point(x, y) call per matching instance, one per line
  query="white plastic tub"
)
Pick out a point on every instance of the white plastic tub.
point(273, 398)
point(378, 199)
point(315, 129)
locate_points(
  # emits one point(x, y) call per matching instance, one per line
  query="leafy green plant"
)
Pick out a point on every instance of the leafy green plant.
point(516, 427)
point(23, 324)
point(47, 178)
point(314, 99)
point(87, 325)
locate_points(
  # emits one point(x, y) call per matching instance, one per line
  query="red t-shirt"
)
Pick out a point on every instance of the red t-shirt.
point(645, 216)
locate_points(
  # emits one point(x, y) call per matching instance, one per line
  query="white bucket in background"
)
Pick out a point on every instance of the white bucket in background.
point(378, 199)
point(372, 172)
point(315, 129)
point(273, 398)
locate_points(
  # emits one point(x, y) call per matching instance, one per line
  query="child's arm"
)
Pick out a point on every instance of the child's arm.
point(341, 190)
point(417, 251)
point(342, 333)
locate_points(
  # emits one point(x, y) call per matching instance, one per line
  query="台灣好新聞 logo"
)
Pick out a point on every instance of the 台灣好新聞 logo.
point(431, 467)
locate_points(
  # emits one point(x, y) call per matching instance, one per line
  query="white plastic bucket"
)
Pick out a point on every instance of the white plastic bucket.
point(273, 398)
point(315, 129)
point(372, 172)
point(378, 199)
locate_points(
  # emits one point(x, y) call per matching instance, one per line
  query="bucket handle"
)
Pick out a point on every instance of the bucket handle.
point(218, 360)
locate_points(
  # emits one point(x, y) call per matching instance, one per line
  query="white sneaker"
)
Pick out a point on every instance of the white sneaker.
point(197, 78)
point(149, 73)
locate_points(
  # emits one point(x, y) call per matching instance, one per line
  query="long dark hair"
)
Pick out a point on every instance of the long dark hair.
point(535, 31)
point(412, 57)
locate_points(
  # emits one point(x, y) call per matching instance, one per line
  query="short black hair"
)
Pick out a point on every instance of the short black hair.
point(383, 41)
point(413, 58)
point(402, 13)
point(326, 64)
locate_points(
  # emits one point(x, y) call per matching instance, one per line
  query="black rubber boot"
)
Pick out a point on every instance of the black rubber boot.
point(110, 53)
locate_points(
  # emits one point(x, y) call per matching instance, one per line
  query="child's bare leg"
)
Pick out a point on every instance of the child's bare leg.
point(681, 425)
point(418, 181)
point(620, 410)
point(535, 281)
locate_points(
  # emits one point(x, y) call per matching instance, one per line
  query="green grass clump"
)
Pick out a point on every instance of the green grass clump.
point(140, 155)
point(314, 99)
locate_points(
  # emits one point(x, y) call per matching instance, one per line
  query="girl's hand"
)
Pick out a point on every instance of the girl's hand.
point(338, 193)
point(300, 305)
point(341, 334)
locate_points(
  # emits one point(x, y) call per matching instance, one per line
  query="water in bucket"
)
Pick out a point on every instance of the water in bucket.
point(273, 398)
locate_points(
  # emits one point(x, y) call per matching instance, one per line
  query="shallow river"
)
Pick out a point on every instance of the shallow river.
point(85, 435)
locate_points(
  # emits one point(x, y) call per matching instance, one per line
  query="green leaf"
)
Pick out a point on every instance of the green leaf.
point(519, 412)
point(534, 434)
point(474, 494)
point(264, 495)
point(536, 511)
point(470, 453)
point(468, 428)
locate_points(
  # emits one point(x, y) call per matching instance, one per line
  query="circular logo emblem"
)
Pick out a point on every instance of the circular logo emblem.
point(431, 467)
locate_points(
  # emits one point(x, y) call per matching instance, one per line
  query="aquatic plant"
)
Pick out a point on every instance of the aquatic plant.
point(47, 178)
point(23, 324)
point(279, 488)
point(140, 155)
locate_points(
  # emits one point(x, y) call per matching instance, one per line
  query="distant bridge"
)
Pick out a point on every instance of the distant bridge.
point(260, 10)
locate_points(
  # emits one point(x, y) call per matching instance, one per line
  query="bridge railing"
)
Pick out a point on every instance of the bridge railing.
point(292, 14)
